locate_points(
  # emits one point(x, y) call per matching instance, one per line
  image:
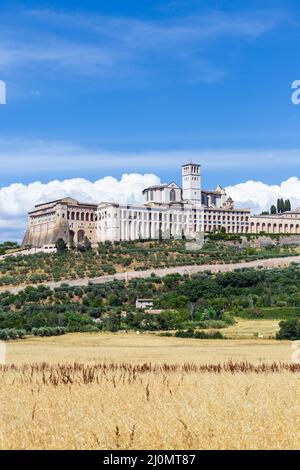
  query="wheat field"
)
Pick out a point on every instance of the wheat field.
point(231, 394)
point(130, 347)
point(121, 406)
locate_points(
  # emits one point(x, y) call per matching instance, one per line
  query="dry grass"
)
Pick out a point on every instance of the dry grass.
point(124, 393)
point(95, 347)
point(247, 329)
point(127, 407)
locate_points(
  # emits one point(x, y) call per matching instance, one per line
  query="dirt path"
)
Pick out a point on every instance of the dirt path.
point(266, 263)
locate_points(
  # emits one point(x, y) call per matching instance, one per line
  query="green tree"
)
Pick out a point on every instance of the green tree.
point(87, 244)
point(287, 205)
point(273, 209)
point(61, 246)
point(280, 206)
point(289, 329)
point(112, 322)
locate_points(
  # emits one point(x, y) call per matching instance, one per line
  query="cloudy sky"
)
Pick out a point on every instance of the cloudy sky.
point(106, 97)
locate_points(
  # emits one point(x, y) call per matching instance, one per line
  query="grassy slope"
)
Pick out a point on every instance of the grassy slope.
point(39, 268)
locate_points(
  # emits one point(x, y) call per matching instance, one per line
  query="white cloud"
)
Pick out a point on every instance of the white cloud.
point(17, 199)
point(260, 196)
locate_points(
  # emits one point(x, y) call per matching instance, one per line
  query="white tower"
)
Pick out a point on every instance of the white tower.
point(191, 182)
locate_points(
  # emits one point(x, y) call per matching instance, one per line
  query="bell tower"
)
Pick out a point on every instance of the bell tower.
point(191, 182)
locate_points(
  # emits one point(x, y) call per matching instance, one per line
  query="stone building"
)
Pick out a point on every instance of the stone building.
point(64, 218)
point(287, 222)
point(168, 211)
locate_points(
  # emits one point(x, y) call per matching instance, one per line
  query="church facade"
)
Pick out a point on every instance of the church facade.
point(168, 211)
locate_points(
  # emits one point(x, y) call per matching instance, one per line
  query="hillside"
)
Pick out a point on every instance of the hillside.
point(204, 301)
point(129, 256)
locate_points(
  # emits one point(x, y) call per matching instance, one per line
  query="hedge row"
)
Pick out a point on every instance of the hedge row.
point(11, 333)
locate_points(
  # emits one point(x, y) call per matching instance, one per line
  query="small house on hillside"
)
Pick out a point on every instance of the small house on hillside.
point(144, 303)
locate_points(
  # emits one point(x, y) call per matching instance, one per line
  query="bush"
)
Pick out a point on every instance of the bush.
point(49, 331)
point(185, 334)
point(289, 329)
point(212, 335)
point(12, 333)
point(198, 334)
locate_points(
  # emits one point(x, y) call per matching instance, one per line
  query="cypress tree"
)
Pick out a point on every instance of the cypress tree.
point(278, 206)
point(287, 205)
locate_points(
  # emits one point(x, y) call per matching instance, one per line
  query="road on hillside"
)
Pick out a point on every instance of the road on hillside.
point(214, 268)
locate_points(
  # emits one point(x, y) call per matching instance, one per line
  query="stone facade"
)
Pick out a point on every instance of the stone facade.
point(168, 211)
point(65, 218)
point(171, 212)
point(288, 222)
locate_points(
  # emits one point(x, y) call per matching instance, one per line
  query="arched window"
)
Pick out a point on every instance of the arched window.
point(172, 195)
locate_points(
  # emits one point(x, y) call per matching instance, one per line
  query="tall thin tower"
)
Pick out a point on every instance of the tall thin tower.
point(191, 182)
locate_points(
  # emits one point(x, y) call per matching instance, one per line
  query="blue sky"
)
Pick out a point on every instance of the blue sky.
point(107, 87)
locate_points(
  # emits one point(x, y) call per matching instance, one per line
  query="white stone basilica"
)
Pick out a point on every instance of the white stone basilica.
point(170, 211)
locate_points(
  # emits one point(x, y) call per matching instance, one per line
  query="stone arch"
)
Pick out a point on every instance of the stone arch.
point(72, 236)
point(172, 195)
point(82, 216)
point(80, 236)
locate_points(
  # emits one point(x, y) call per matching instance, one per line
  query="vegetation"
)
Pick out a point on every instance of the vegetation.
point(49, 331)
point(61, 246)
point(204, 301)
point(148, 406)
point(119, 257)
point(281, 206)
point(198, 334)
point(289, 329)
point(6, 247)
point(11, 333)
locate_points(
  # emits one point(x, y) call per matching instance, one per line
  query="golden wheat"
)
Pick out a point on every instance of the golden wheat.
point(149, 406)
point(133, 348)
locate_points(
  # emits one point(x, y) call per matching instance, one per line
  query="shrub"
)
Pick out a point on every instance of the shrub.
point(212, 335)
point(12, 333)
point(49, 331)
point(185, 334)
point(198, 334)
point(289, 329)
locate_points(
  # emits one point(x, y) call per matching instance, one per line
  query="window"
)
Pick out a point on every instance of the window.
point(172, 195)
